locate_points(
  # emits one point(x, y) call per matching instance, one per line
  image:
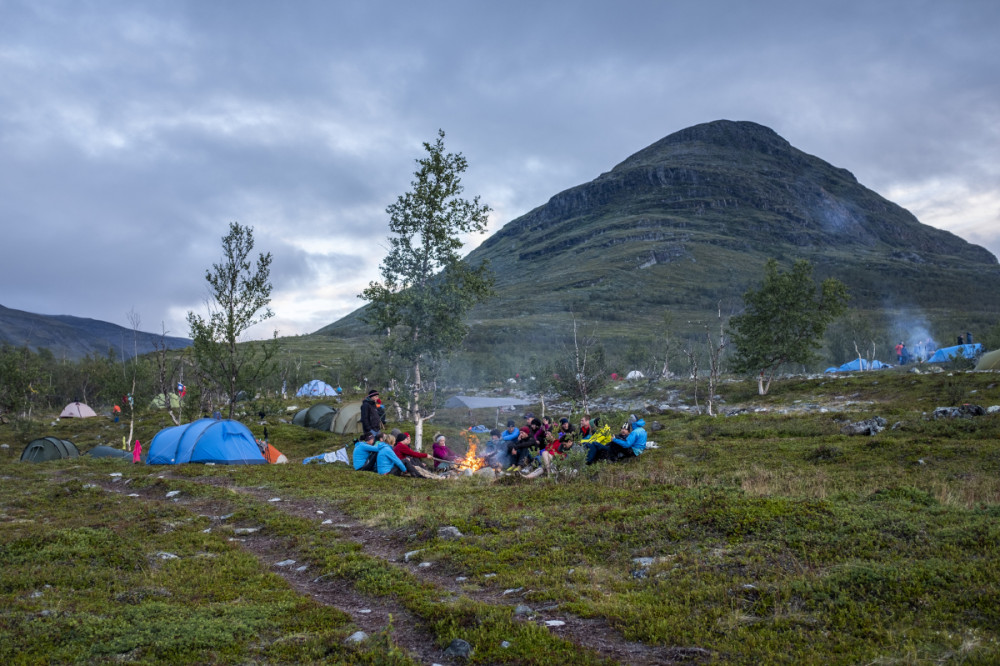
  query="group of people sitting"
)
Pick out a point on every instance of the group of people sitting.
point(530, 448)
point(539, 441)
point(390, 453)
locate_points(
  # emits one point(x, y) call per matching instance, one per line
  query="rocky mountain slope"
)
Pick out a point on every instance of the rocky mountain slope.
point(690, 220)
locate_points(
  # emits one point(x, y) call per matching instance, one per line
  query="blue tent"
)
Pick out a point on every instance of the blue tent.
point(860, 364)
point(316, 387)
point(950, 353)
point(217, 441)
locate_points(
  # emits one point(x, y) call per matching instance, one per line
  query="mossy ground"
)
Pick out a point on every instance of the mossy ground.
point(773, 538)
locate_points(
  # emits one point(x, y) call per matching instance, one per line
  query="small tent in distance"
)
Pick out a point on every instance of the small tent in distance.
point(989, 361)
point(218, 441)
point(77, 410)
point(49, 448)
point(109, 452)
point(946, 354)
point(160, 402)
point(316, 388)
point(860, 364)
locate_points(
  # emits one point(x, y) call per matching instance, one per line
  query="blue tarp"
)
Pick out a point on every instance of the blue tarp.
point(316, 387)
point(860, 364)
point(223, 442)
point(950, 353)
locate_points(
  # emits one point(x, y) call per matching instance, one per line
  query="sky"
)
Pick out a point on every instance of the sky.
point(133, 133)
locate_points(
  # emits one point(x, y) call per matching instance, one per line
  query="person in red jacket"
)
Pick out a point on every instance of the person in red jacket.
point(410, 458)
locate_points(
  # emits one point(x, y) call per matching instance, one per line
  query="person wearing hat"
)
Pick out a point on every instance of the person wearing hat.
point(409, 457)
point(510, 434)
point(444, 456)
point(371, 417)
point(565, 431)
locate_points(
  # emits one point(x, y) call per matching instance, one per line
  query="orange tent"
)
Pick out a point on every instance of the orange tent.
point(273, 455)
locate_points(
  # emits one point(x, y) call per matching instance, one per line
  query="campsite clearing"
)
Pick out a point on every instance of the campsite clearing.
point(763, 537)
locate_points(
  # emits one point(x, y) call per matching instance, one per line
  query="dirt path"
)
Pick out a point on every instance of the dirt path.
point(371, 614)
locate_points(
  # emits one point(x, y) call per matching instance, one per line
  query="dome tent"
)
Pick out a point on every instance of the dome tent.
point(77, 410)
point(317, 417)
point(160, 402)
point(343, 421)
point(218, 441)
point(49, 448)
point(316, 387)
point(989, 361)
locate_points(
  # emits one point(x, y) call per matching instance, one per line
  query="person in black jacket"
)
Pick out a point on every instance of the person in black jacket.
point(372, 418)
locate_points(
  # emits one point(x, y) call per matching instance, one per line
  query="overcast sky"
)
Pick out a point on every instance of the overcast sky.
point(132, 133)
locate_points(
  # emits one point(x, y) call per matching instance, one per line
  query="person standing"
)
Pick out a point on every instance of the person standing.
point(371, 417)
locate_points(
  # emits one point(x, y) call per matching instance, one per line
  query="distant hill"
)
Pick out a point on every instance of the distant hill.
point(76, 337)
point(690, 221)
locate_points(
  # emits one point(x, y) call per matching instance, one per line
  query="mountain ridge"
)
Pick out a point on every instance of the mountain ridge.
point(77, 337)
point(690, 221)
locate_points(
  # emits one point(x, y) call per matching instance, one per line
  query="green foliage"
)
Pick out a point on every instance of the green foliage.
point(239, 295)
point(426, 290)
point(784, 320)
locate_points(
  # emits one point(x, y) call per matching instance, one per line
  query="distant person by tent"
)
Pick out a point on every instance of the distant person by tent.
point(899, 353)
point(968, 338)
point(961, 341)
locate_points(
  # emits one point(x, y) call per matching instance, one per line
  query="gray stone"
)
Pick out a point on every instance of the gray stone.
point(871, 427)
point(459, 649)
point(449, 533)
point(357, 637)
point(522, 609)
point(410, 555)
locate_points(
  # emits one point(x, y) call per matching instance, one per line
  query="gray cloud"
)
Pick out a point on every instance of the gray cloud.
point(131, 135)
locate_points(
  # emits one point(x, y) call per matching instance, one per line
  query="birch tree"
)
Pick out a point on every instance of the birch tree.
point(419, 306)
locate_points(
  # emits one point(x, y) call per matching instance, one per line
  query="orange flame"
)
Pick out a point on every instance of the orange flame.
point(471, 461)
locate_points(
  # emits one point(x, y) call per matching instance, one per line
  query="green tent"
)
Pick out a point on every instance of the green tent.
point(989, 361)
point(343, 421)
point(317, 417)
point(348, 420)
point(49, 448)
point(159, 402)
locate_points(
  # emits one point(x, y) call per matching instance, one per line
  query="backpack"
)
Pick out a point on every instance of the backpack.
point(369, 465)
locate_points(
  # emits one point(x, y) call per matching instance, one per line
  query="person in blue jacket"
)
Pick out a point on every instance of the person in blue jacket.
point(387, 461)
point(620, 449)
point(363, 448)
point(511, 433)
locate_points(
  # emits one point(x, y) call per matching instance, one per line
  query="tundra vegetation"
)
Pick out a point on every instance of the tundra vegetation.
point(767, 536)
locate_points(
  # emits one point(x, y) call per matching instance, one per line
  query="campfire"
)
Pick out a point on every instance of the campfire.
point(471, 461)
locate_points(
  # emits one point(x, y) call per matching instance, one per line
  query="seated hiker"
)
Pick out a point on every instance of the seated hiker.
point(565, 430)
point(444, 457)
point(623, 447)
point(585, 428)
point(495, 453)
point(411, 459)
point(387, 462)
point(556, 446)
point(531, 437)
point(510, 434)
point(365, 453)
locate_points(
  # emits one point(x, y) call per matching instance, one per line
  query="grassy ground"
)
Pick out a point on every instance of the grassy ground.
point(768, 537)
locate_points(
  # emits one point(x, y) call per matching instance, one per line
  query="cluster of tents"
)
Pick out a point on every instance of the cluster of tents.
point(218, 441)
point(988, 361)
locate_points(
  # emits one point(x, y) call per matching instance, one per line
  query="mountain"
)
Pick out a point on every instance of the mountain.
point(690, 221)
point(76, 337)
